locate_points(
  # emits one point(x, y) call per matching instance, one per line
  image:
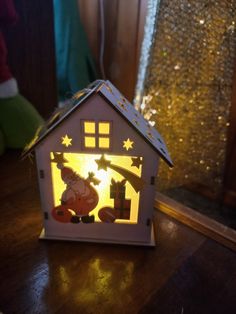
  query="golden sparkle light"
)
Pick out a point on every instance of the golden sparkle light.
point(188, 82)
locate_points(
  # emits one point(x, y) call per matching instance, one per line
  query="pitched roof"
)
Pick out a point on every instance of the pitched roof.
point(120, 104)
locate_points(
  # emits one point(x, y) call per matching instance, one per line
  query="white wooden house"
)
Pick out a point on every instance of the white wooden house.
point(97, 163)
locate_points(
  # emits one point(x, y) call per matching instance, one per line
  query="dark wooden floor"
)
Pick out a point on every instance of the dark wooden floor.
point(185, 273)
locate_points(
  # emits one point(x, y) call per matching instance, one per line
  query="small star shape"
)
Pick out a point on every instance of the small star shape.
point(122, 105)
point(103, 163)
point(66, 140)
point(149, 135)
point(135, 122)
point(136, 162)
point(128, 144)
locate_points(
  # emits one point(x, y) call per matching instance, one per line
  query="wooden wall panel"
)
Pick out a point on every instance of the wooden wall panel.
point(124, 23)
point(31, 45)
point(89, 14)
point(31, 53)
point(111, 24)
point(121, 67)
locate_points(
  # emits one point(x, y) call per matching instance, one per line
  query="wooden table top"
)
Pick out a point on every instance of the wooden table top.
point(185, 273)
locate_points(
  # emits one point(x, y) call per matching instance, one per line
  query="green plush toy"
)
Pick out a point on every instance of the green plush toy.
point(18, 118)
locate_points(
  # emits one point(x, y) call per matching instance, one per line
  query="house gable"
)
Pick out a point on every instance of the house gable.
point(118, 103)
point(97, 170)
point(96, 111)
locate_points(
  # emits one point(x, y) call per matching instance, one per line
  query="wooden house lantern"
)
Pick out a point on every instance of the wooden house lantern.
point(97, 162)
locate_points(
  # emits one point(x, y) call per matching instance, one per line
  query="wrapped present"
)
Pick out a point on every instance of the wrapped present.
point(122, 208)
point(117, 189)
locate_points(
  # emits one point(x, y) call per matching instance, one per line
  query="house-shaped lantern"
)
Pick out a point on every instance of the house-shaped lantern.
point(97, 162)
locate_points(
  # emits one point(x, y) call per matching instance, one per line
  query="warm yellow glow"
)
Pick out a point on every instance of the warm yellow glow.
point(65, 279)
point(104, 142)
point(104, 128)
point(89, 127)
point(99, 282)
point(128, 144)
point(66, 140)
point(89, 141)
point(85, 163)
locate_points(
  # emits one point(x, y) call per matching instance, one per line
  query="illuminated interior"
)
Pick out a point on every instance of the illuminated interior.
point(97, 134)
point(103, 142)
point(89, 127)
point(89, 141)
point(104, 128)
point(117, 168)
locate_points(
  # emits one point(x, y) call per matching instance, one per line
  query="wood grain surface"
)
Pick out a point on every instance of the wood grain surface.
point(185, 273)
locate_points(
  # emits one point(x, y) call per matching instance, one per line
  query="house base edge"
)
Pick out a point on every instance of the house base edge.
point(151, 243)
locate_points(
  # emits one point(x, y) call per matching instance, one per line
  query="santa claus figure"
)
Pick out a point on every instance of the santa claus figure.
point(78, 199)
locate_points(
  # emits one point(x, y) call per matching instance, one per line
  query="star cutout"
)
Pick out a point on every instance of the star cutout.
point(122, 105)
point(102, 163)
point(128, 144)
point(66, 140)
point(150, 136)
point(136, 162)
point(58, 158)
point(135, 122)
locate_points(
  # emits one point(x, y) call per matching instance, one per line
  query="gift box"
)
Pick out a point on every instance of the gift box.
point(117, 190)
point(122, 208)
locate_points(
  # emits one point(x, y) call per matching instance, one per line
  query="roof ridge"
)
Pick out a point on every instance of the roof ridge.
point(120, 103)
